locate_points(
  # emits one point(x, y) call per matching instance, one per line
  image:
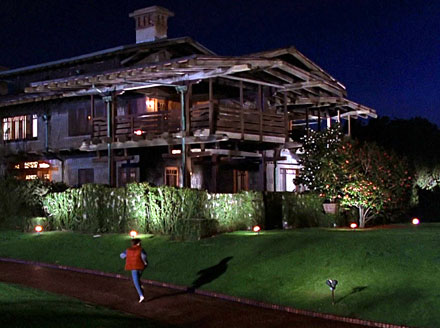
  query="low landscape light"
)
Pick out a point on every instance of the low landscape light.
point(353, 225)
point(332, 284)
point(415, 221)
point(133, 233)
point(256, 229)
point(38, 229)
point(138, 132)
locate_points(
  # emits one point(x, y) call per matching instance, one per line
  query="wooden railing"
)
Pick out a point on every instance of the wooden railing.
point(221, 118)
point(150, 124)
point(244, 121)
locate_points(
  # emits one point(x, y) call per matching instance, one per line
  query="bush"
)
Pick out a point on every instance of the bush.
point(304, 210)
point(236, 211)
point(194, 229)
point(22, 200)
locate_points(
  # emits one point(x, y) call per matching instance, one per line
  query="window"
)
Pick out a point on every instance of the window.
point(23, 127)
point(127, 175)
point(33, 170)
point(241, 180)
point(287, 178)
point(86, 176)
point(172, 176)
point(80, 122)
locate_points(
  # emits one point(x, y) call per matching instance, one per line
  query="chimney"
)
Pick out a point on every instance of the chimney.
point(151, 23)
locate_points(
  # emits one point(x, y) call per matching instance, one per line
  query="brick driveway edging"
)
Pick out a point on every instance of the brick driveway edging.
point(366, 323)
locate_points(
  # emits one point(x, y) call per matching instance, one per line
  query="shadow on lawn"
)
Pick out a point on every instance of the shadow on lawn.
point(353, 291)
point(210, 274)
point(205, 276)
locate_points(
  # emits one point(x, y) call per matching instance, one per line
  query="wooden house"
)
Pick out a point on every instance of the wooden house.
point(167, 111)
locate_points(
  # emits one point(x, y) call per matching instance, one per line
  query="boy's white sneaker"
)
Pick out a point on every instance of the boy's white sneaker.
point(141, 299)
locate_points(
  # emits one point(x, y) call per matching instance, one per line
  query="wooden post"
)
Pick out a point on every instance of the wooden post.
point(339, 116)
point(286, 118)
point(214, 173)
point(319, 120)
point(307, 121)
point(211, 108)
point(260, 112)
point(241, 110)
point(349, 126)
point(188, 107)
point(92, 114)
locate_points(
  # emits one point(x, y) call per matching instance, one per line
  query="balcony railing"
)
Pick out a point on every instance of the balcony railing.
point(218, 118)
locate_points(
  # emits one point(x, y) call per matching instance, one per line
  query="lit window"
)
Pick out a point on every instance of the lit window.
point(172, 176)
point(30, 165)
point(46, 176)
point(31, 177)
point(20, 127)
point(151, 104)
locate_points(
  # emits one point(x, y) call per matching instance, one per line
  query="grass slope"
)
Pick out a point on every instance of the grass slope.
point(27, 307)
point(388, 275)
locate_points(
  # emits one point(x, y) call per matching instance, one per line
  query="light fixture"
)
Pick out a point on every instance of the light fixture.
point(415, 221)
point(176, 151)
point(196, 150)
point(332, 285)
point(43, 165)
point(256, 229)
point(138, 132)
point(133, 233)
point(353, 225)
point(38, 229)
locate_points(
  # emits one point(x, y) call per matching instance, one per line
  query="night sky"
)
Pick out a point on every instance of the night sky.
point(386, 52)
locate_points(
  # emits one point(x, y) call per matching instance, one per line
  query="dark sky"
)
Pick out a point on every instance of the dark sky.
point(386, 52)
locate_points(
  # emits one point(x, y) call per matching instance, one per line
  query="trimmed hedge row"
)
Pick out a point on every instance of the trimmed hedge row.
point(159, 210)
point(180, 213)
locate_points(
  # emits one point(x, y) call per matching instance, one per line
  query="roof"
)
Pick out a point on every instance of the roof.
point(108, 53)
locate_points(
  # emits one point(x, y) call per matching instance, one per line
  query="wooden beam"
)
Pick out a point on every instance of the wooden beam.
point(241, 110)
point(211, 107)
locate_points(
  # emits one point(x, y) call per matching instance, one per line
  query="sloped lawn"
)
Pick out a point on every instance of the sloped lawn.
point(26, 307)
point(388, 275)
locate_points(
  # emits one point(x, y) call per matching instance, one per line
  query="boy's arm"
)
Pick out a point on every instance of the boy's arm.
point(144, 257)
point(123, 255)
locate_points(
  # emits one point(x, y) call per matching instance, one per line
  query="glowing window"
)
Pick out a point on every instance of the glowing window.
point(31, 177)
point(172, 176)
point(30, 165)
point(20, 127)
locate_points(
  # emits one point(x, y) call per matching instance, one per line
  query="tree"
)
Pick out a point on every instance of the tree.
point(379, 182)
point(360, 175)
point(321, 162)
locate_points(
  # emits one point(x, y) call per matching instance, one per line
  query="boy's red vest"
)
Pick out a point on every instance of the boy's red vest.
point(134, 260)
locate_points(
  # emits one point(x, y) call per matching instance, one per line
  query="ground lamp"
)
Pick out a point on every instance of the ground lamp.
point(415, 221)
point(353, 225)
point(38, 229)
point(332, 284)
point(133, 234)
point(256, 229)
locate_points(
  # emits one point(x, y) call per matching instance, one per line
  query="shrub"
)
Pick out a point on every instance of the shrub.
point(304, 210)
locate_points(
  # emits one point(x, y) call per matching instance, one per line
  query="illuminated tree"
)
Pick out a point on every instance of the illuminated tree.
point(363, 176)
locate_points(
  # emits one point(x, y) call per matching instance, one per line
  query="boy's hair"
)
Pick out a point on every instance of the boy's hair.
point(135, 241)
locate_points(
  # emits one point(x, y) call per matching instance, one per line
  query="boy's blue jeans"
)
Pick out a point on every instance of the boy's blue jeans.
point(136, 275)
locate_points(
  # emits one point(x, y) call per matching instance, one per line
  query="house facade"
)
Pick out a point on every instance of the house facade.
point(167, 111)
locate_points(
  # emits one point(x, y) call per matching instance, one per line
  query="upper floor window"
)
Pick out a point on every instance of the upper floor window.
point(80, 121)
point(23, 127)
point(172, 176)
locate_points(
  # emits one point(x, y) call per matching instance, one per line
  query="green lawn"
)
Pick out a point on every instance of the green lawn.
point(27, 307)
point(389, 275)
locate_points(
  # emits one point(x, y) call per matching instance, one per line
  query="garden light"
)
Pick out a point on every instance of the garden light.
point(133, 234)
point(256, 229)
point(415, 221)
point(332, 284)
point(353, 225)
point(38, 229)
point(138, 132)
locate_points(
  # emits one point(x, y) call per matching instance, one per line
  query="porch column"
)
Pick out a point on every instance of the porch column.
point(109, 102)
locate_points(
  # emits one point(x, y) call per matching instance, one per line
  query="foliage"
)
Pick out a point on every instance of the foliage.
point(302, 210)
point(21, 200)
point(194, 229)
point(360, 175)
point(236, 211)
point(378, 182)
point(321, 162)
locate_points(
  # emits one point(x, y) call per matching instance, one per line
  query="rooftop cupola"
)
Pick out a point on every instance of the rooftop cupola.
point(151, 23)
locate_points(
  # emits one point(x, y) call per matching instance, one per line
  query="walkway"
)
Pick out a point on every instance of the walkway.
point(165, 305)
